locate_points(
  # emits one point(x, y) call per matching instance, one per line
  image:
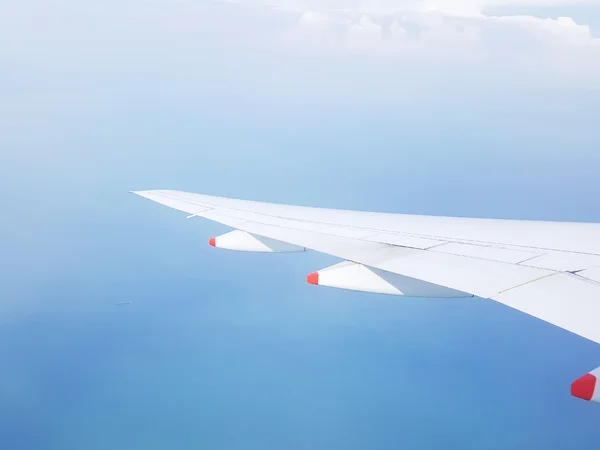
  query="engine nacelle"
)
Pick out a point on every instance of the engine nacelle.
point(245, 242)
point(358, 277)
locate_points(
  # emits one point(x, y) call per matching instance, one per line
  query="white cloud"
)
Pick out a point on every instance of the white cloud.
point(149, 32)
point(365, 34)
point(458, 7)
point(458, 29)
point(563, 30)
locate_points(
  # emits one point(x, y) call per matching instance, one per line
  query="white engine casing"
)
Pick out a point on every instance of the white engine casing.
point(246, 242)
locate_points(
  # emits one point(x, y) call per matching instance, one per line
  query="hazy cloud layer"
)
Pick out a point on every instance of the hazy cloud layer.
point(455, 30)
point(460, 31)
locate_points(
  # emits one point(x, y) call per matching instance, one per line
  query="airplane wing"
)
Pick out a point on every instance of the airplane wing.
point(550, 270)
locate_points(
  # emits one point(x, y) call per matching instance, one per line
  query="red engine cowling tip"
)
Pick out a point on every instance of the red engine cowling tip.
point(584, 387)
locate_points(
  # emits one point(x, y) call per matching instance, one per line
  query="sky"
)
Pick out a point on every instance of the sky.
point(467, 108)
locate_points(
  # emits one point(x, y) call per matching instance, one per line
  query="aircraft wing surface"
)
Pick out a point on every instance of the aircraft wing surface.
point(550, 270)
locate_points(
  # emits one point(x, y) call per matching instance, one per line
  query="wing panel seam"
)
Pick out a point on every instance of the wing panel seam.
point(529, 282)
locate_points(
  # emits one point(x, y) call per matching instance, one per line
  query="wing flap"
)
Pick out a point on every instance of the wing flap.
point(488, 252)
point(564, 261)
point(403, 240)
point(562, 299)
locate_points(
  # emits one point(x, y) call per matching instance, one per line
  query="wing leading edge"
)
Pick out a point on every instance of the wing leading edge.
point(546, 269)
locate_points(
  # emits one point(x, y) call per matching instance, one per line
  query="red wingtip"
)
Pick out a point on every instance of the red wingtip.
point(584, 387)
point(313, 278)
point(212, 242)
